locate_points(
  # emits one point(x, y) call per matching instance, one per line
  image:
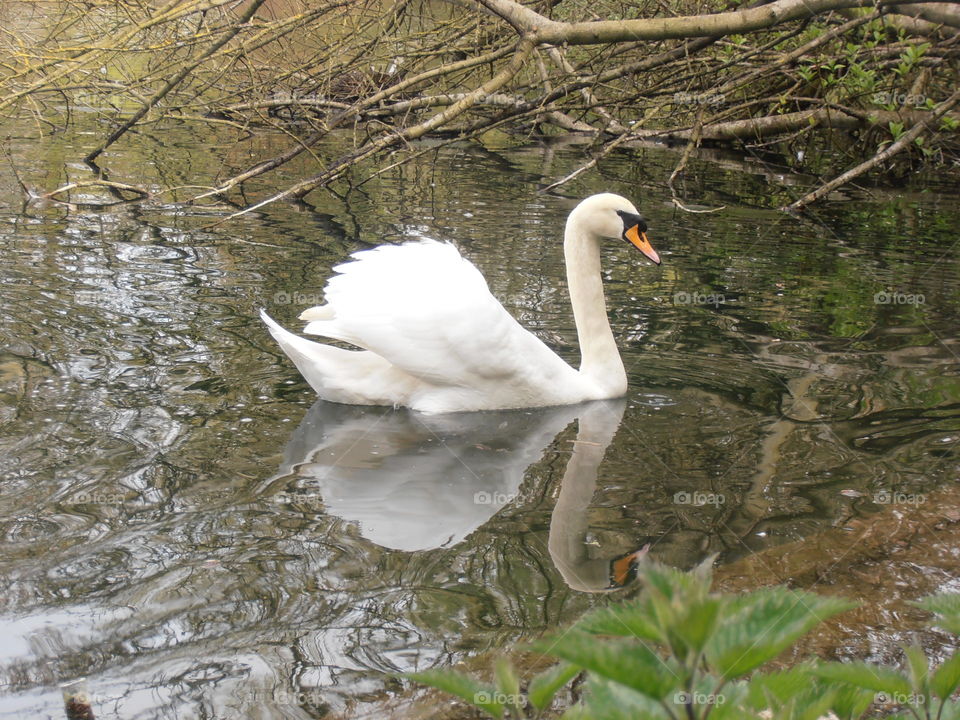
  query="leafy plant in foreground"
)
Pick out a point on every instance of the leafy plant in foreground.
point(682, 652)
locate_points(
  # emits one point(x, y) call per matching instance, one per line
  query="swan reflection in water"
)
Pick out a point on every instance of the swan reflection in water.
point(414, 482)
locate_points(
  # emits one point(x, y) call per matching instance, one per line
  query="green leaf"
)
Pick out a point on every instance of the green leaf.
point(946, 678)
point(793, 694)
point(851, 702)
point(462, 686)
point(507, 683)
point(663, 613)
point(919, 668)
point(766, 689)
point(576, 712)
point(546, 684)
point(951, 710)
point(606, 700)
point(810, 705)
point(630, 619)
point(947, 607)
point(755, 628)
point(867, 676)
point(628, 663)
point(710, 696)
point(697, 624)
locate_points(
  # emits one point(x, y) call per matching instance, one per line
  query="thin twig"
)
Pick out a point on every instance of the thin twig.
point(240, 25)
point(687, 151)
point(610, 147)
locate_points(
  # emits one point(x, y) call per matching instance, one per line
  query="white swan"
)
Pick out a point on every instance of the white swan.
point(435, 340)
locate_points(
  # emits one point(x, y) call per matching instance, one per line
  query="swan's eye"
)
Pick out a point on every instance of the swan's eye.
point(632, 220)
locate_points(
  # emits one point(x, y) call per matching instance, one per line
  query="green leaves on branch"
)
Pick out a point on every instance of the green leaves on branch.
point(680, 651)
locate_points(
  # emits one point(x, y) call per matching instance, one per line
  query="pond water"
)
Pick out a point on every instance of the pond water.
point(186, 528)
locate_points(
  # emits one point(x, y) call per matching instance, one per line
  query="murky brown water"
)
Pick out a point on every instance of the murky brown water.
point(183, 526)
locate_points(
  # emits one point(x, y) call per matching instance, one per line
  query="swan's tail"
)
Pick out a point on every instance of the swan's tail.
point(348, 376)
point(311, 358)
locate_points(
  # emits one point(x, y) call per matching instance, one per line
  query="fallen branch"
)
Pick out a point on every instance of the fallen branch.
point(773, 125)
point(899, 145)
point(546, 31)
point(354, 111)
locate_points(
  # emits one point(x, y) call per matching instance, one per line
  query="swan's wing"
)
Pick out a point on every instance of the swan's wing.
point(428, 311)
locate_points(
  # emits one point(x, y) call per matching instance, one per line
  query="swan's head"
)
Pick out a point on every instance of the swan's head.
point(611, 216)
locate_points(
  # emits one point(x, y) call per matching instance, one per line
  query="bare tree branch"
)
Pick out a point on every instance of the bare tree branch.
point(692, 26)
point(523, 50)
point(250, 11)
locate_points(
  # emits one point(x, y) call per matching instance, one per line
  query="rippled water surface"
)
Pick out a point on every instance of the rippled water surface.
point(183, 526)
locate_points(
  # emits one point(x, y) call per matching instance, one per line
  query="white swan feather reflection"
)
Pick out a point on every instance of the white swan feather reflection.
point(434, 339)
point(409, 481)
point(413, 483)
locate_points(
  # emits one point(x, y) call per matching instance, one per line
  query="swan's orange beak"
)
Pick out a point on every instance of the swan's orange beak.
point(622, 568)
point(639, 239)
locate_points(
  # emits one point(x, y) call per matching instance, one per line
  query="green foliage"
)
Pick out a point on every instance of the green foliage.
point(846, 72)
point(947, 607)
point(545, 685)
point(681, 651)
point(759, 626)
point(948, 123)
point(628, 663)
point(910, 57)
point(485, 697)
point(866, 676)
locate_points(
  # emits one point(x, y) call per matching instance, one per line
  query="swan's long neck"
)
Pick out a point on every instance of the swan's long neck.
point(599, 357)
